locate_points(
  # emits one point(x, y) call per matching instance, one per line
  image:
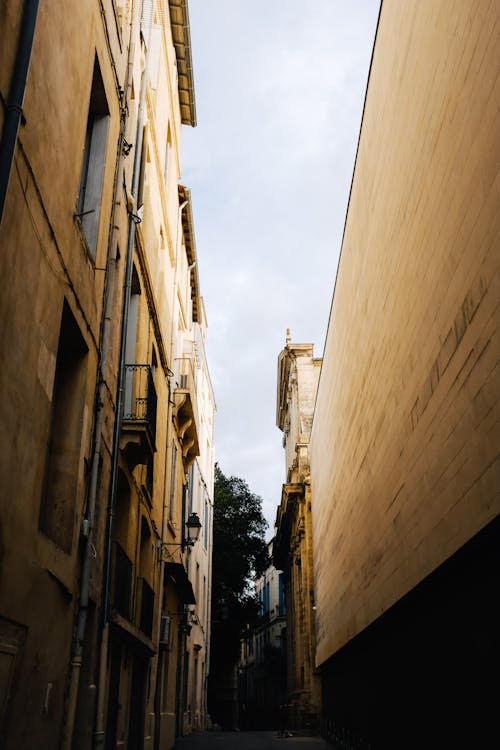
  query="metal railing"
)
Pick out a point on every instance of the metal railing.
point(140, 400)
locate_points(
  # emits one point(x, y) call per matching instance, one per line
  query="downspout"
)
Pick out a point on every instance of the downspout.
point(88, 521)
point(14, 105)
point(99, 734)
point(162, 678)
point(159, 677)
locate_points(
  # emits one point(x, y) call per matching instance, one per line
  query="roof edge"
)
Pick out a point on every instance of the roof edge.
point(181, 38)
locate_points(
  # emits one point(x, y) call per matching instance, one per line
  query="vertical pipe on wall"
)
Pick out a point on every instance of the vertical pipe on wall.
point(99, 733)
point(104, 353)
point(125, 313)
point(14, 105)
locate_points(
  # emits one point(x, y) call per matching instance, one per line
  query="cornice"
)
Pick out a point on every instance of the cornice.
point(181, 37)
point(189, 241)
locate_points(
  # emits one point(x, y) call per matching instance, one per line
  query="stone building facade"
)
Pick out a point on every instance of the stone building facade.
point(298, 373)
point(198, 565)
point(63, 217)
point(106, 398)
point(405, 447)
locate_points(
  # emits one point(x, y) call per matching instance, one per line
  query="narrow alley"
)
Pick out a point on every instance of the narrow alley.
point(247, 741)
point(282, 529)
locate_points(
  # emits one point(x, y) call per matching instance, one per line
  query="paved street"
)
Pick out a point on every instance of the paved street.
point(247, 741)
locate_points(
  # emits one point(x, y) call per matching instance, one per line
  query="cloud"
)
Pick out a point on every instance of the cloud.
point(279, 91)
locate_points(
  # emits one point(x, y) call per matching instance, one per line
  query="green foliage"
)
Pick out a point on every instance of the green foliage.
point(239, 553)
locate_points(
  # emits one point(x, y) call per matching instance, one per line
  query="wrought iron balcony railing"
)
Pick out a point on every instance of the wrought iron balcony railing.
point(140, 401)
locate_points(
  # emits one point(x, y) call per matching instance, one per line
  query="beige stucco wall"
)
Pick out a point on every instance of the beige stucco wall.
point(162, 331)
point(405, 440)
point(43, 261)
point(200, 555)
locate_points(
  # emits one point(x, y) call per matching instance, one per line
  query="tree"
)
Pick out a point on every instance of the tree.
point(239, 554)
point(239, 547)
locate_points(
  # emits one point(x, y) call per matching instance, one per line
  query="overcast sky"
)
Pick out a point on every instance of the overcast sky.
point(279, 88)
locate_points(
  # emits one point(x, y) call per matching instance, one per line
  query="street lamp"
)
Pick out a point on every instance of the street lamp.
point(193, 527)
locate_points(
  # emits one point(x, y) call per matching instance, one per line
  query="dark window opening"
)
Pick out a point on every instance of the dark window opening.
point(59, 492)
point(94, 157)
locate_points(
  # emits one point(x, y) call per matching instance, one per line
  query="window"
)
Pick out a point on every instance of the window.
point(131, 340)
point(172, 482)
point(204, 598)
point(142, 169)
point(266, 599)
point(190, 488)
point(59, 491)
point(167, 152)
point(94, 157)
point(281, 594)
point(205, 526)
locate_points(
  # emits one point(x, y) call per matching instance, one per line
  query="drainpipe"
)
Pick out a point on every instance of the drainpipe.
point(99, 734)
point(159, 680)
point(159, 677)
point(14, 105)
point(88, 522)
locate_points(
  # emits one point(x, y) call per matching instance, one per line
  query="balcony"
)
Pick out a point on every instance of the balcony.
point(138, 432)
point(186, 411)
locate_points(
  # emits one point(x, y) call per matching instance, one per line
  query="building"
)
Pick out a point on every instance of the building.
point(262, 668)
point(298, 374)
point(405, 447)
point(108, 408)
point(63, 216)
point(200, 501)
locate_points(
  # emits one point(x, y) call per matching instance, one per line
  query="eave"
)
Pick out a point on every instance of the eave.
point(189, 242)
point(181, 37)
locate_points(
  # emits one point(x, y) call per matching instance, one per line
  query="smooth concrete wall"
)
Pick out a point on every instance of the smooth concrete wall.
point(405, 440)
